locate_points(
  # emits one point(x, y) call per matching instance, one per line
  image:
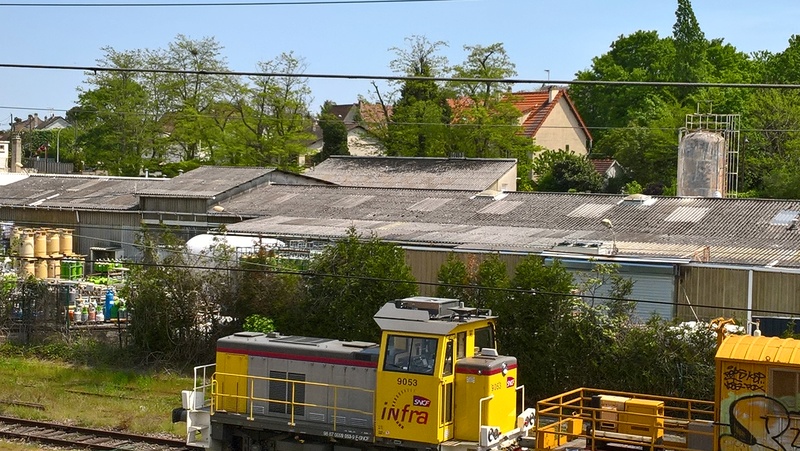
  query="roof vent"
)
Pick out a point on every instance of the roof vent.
point(637, 199)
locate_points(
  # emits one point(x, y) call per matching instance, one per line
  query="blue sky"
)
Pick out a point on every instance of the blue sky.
point(560, 37)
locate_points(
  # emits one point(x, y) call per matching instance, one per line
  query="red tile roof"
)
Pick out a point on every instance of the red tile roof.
point(537, 106)
point(601, 165)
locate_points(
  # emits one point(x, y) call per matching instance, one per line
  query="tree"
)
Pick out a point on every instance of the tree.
point(417, 126)
point(190, 98)
point(690, 49)
point(117, 133)
point(485, 121)
point(452, 278)
point(562, 171)
point(531, 324)
point(353, 279)
point(274, 117)
point(334, 134)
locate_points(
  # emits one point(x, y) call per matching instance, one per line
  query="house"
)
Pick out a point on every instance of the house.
point(477, 174)
point(607, 167)
point(549, 118)
point(362, 120)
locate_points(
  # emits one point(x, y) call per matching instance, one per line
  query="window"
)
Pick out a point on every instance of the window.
point(461, 345)
point(410, 354)
point(448, 359)
point(484, 338)
point(785, 387)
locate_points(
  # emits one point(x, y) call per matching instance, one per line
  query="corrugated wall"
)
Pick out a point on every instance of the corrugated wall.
point(425, 264)
point(774, 293)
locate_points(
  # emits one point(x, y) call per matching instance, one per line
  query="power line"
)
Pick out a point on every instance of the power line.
point(96, 69)
point(216, 4)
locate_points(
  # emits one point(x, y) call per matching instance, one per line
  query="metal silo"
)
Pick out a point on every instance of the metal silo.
point(702, 157)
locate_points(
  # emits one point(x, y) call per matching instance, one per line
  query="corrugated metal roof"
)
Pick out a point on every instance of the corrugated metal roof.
point(760, 349)
point(206, 181)
point(736, 231)
point(421, 173)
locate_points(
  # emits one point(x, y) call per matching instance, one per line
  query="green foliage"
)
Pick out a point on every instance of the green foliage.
point(334, 134)
point(563, 171)
point(354, 278)
point(259, 323)
point(176, 312)
point(452, 277)
point(633, 188)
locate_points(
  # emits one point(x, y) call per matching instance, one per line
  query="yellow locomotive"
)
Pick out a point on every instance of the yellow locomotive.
point(435, 381)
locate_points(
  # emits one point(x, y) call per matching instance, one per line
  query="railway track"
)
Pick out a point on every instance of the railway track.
point(84, 438)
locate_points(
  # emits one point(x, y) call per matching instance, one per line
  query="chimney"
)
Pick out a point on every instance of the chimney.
point(553, 93)
point(16, 153)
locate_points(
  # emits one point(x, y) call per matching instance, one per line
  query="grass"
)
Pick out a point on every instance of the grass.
point(88, 396)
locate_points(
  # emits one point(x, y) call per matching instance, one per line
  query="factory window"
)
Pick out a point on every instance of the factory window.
point(410, 354)
point(286, 390)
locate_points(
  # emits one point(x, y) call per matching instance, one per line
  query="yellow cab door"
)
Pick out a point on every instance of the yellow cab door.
point(447, 404)
point(231, 389)
point(410, 389)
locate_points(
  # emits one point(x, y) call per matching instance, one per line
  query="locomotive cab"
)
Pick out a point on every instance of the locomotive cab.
point(440, 379)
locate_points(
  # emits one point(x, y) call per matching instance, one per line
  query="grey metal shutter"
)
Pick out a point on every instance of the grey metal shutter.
point(653, 284)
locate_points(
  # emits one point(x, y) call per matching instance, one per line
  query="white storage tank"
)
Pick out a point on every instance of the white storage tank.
point(702, 169)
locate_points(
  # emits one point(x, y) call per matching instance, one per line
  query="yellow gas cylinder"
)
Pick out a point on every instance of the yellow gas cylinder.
point(41, 268)
point(27, 268)
point(54, 268)
point(53, 242)
point(26, 246)
point(40, 244)
point(66, 242)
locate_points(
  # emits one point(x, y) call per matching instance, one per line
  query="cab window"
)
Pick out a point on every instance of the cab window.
point(484, 338)
point(410, 354)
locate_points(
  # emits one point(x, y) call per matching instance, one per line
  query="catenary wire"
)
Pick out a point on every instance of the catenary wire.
point(408, 78)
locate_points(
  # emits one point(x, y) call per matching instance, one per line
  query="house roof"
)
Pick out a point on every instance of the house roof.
point(537, 106)
point(602, 165)
point(419, 173)
point(75, 192)
point(720, 230)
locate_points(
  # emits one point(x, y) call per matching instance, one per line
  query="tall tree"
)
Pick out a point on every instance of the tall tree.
point(118, 133)
point(691, 64)
point(417, 126)
point(334, 134)
point(274, 115)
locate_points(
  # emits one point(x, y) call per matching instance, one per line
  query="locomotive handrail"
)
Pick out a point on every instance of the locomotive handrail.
point(251, 400)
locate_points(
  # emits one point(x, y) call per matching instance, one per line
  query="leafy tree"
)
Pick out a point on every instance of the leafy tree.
point(334, 134)
point(492, 278)
point(690, 48)
point(452, 277)
point(274, 116)
point(117, 133)
point(177, 312)
point(190, 98)
point(531, 324)
point(353, 279)
point(417, 126)
point(562, 171)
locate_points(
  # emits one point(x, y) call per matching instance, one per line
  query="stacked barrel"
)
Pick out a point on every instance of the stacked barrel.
point(45, 253)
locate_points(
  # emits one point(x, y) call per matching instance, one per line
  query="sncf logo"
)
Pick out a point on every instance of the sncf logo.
point(419, 401)
point(509, 382)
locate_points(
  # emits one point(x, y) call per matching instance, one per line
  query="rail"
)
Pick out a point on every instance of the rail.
point(572, 416)
point(218, 399)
